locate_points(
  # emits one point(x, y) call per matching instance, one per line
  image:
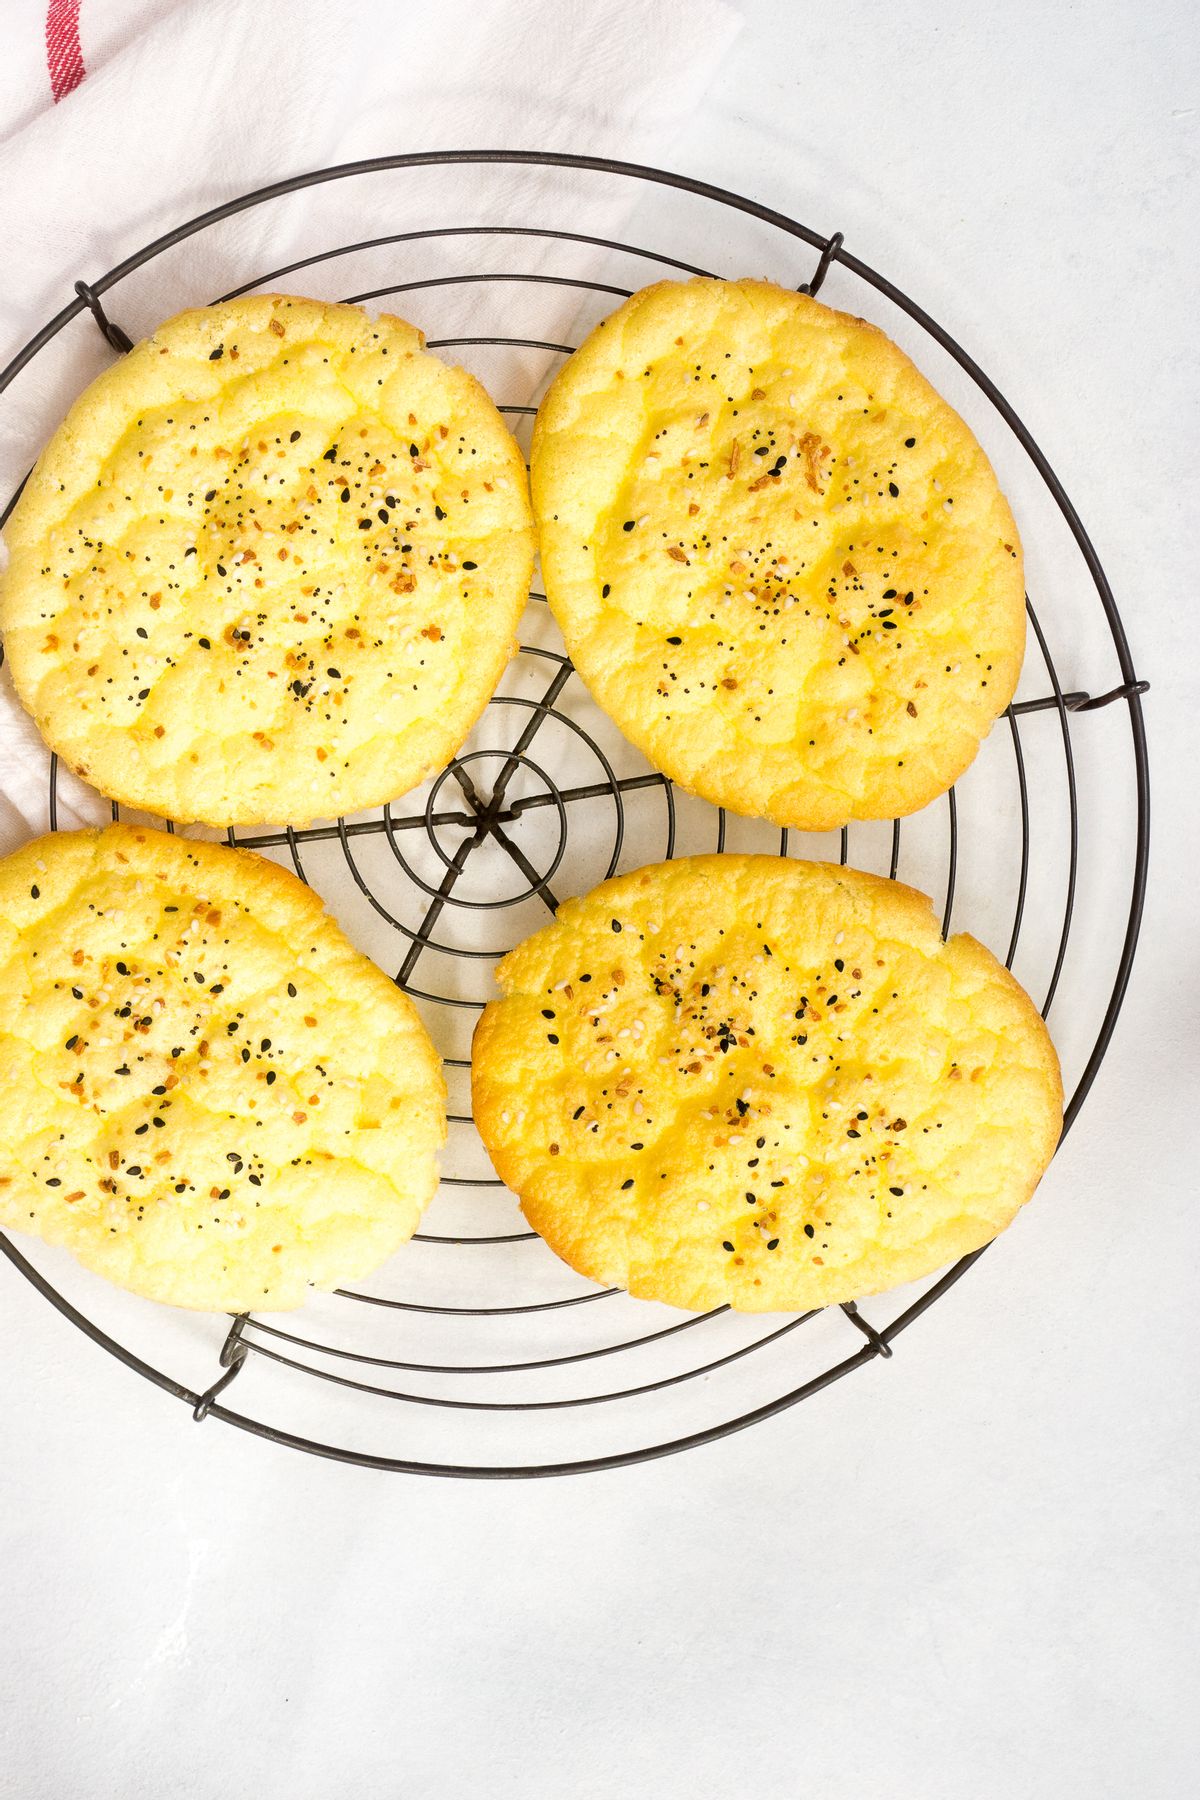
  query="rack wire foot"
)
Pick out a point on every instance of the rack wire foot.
point(877, 1341)
point(232, 1356)
point(113, 334)
point(1080, 700)
point(832, 246)
point(1090, 702)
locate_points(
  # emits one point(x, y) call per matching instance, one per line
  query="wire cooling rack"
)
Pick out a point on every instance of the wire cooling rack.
point(475, 1353)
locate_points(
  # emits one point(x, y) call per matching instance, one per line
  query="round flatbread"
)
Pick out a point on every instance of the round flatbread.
point(270, 566)
point(207, 1093)
point(768, 1084)
point(780, 561)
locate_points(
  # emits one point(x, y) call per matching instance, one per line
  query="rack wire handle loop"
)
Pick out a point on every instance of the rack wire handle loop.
point(877, 1341)
point(113, 334)
point(832, 246)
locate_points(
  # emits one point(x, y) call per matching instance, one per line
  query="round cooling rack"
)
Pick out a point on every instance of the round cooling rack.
point(475, 1352)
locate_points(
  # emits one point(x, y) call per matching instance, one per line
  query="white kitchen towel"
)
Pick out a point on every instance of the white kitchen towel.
point(123, 118)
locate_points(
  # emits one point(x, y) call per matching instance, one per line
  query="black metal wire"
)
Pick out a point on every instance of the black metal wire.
point(493, 817)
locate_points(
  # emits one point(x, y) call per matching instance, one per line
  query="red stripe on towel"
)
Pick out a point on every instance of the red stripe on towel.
point(64, 55)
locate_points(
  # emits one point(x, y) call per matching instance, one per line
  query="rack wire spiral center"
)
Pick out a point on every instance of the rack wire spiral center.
point(475, 1353)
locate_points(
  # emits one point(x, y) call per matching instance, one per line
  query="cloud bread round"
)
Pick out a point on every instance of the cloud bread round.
point(764, 1083)
point(780, 561)
point(270, 566)
point(206, 1093)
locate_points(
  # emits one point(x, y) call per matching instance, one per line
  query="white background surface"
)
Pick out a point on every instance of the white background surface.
point(969, 1572)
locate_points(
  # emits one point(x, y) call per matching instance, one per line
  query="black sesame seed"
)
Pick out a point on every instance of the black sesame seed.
point(627, 1184)
point(616, 925)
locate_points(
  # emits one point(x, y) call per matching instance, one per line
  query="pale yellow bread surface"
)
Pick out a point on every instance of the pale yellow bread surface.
point(270, 566)
point(780, 561)
point(763, 1083)
point(207, 1093)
